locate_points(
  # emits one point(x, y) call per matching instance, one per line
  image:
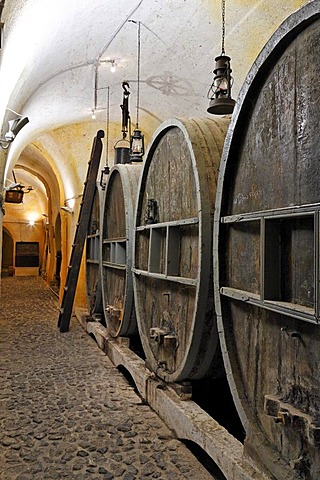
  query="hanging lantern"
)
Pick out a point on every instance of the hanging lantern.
point(137, 139)
point(219, 92)
point(104, 176)
point(221, 102)
point(136, 146)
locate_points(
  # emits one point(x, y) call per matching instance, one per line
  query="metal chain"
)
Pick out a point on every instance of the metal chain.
point(223, 8)
point(108, 124)
point(138, 74)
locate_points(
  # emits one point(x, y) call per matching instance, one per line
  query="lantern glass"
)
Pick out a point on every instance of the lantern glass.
point(221, 84)
point(136, 146)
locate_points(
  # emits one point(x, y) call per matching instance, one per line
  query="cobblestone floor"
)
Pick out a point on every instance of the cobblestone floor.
point(65, 410)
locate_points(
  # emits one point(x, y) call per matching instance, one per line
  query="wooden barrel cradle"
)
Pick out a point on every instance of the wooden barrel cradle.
point(173, 247)
point(117, 238)
point(93, 276)
point(266, 251)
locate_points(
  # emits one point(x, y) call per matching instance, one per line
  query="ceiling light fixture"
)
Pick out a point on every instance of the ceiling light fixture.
point(219, 92)
point(113, 66)
point(137, 139)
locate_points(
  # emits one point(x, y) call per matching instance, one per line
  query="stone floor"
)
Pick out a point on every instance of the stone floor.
point(65, 410)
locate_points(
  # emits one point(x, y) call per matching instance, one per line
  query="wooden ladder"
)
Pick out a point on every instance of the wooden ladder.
point(80, 234)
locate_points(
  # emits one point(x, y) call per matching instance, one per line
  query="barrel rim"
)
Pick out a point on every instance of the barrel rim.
point(287, 32)
point(202, 287)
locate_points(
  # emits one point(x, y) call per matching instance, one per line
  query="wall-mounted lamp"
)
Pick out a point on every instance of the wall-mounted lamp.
point(219, 92)
point(69, 203)
point(14, 128)
point(45, 220)
point(15, 191)
point(112, 62)
point(113, 66)
point(67, 209)
point(14, 195)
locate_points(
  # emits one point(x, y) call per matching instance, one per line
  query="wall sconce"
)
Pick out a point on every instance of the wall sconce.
point(67, 209)
point(45, 220)
point(69, 203)
point(219, 92)
point(15, 191)
point(14, 195)
point(14, 128)
point(113, 66)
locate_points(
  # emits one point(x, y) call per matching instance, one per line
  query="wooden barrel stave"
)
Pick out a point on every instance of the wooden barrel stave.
point(116, 251)
point(93, 280)
point(267, 244)
point(173, 293)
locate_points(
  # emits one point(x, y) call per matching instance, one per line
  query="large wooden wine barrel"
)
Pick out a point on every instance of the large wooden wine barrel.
point(266, 251)
point(173, 248)
point(93, 276)
point(117, 238)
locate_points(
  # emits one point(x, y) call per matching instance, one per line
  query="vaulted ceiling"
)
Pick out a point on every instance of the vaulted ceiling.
point(56, 56)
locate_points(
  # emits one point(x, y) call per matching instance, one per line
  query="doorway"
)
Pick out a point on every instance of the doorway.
point(7, 267)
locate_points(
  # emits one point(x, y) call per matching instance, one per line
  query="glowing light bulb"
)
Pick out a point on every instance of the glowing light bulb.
point(113, 67)
point(93, 116)
point(32, 217)
point(71, 203)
